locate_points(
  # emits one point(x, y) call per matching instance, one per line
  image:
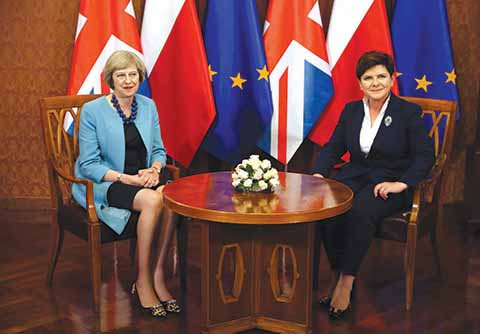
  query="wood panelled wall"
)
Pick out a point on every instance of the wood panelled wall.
point(36, 43)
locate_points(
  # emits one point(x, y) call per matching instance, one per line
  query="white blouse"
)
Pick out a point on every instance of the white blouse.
point(369, 130)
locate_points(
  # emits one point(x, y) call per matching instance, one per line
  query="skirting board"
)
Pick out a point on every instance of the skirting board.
point(25, 203)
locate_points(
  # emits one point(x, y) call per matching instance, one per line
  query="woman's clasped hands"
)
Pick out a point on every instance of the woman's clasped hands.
point(148, 177)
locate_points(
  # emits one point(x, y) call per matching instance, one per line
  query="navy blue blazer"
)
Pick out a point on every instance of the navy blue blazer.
point(401, 151)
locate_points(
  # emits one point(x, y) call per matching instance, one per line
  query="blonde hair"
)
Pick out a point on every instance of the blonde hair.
point(120, 60)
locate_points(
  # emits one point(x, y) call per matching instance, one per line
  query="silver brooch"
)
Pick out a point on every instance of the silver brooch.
point(388, 121)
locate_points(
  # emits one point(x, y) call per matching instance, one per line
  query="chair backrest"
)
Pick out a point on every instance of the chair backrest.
point(61, 147)
point(443, 115)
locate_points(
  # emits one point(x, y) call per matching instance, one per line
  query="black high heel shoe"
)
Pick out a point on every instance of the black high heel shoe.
point(339, 314)
point(171, 306)
point(157, 311)
point(325, 301)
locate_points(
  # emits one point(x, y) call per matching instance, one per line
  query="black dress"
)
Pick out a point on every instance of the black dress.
point(121, 195)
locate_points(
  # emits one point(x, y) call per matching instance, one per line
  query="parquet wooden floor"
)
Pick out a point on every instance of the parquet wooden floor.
point(450, 305)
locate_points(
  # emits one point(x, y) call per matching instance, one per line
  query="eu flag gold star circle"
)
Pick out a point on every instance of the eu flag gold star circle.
point(263, 73)
point(237, 81)
point(423, 83)
point(451, 77)
point(211, 72)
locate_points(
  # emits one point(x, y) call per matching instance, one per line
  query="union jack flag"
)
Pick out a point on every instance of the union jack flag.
point(300, 77)
point(102, 28)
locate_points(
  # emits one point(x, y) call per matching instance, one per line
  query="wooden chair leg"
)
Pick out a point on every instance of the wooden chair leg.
point(440, 215)
point(410, 250)
point(57, 235)
point(317, 244)
point(95, 262)
point(440, 206)
point(436, 255)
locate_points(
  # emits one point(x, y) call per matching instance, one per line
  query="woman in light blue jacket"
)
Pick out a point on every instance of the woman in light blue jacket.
point(121, 151)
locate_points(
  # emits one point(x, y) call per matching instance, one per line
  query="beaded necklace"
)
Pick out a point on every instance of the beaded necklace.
point(120, 112)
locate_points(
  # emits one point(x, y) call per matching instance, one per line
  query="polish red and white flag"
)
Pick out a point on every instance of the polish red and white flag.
point(178, 75)
point(356, 26)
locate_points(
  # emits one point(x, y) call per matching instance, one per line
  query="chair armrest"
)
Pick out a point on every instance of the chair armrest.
point(174, 170)
point(424, 191)
point(427, 185)
point(92, 213)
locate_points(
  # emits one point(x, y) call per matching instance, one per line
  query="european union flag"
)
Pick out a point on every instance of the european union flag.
point(423, 53)
point(239, 76)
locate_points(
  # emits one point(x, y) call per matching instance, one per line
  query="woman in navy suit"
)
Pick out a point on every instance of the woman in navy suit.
point(121, 151)
point(390, 152)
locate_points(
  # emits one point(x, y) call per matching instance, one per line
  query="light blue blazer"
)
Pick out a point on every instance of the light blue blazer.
point(102, 147)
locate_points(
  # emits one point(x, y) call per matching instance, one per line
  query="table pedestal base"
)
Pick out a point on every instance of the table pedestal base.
point(256, 277)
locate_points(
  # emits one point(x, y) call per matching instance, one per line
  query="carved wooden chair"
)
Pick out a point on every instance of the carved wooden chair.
point(426, 212)
point(61, 152)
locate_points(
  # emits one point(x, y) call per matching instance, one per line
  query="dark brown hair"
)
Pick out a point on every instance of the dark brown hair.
point(373, 58)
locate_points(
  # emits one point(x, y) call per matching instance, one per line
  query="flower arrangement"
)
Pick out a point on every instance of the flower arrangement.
point(253, 174)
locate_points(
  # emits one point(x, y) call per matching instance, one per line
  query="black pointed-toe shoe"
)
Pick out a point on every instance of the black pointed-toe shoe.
point(171, 306)
point(157, 311)
point(339, 314)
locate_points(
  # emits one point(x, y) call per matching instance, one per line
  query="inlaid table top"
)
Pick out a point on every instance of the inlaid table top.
point(299, 198)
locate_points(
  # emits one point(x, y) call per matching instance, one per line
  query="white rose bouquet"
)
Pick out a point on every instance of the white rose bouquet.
point(253, 174)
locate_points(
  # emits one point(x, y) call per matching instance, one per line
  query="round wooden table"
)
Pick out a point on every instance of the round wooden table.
point(257, 248)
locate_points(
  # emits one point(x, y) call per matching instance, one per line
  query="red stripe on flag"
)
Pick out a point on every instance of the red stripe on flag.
point(104, 19)
point(283, 117)
point(181, 88)
point(372, 34)
point(283, 29)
